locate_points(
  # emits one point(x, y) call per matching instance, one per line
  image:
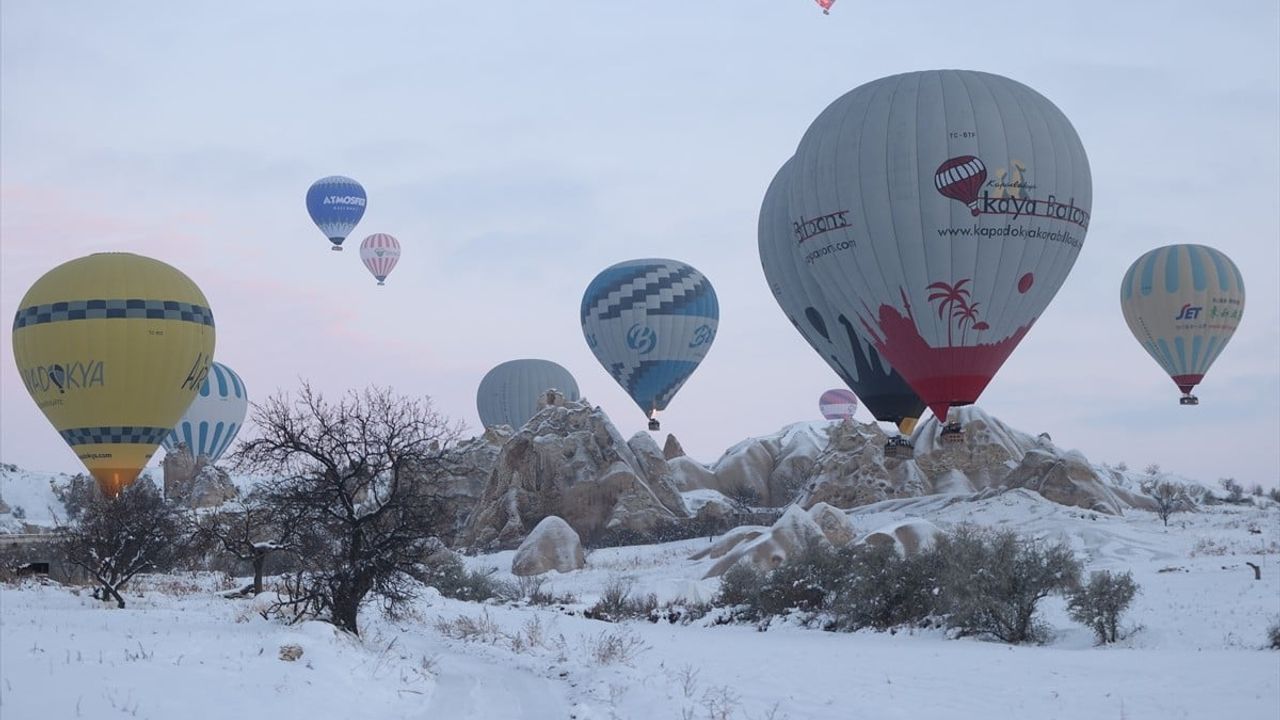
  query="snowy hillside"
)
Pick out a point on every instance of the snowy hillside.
point(181, 651)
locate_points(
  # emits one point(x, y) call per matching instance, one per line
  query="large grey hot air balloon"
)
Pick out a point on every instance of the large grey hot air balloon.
point(833, 335)
point(941, 211)
point(508, 394)
point(649, 323)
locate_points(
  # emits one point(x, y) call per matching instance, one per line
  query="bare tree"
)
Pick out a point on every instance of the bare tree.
point(250, 531)
point(1170, 496)
point(360, 481)
point(114, 539)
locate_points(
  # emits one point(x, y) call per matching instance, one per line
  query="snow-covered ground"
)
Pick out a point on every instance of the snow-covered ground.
point(179, 650)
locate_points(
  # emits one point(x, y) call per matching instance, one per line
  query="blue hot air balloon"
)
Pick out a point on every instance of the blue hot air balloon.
point(649, 323)
point(336, 204)
point(214, 417)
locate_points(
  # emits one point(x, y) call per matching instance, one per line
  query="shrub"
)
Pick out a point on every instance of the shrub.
point(885, 590)
point(803, 582)
point(1100, 603)
point(994, 581)
point(617, 604)
point(1273, 636)
point(740, 587)
point(1234, 490)
point(447, 574)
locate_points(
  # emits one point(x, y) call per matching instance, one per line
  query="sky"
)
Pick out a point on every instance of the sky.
point(516, 149)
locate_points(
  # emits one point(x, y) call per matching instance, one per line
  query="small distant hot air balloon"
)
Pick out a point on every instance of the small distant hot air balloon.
point(336, 204)
point(215, 417)
point(380, 252)
point(838, 404)
point(826, 6)
point(649, 323)
point(113, 348)
point(941, 211)
point(1183, 303)
point(509, 393)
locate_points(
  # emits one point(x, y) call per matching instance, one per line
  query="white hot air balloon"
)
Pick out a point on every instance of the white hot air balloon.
point(941, 211)
point(509, 393)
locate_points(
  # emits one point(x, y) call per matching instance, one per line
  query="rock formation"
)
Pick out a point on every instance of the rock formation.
point(552, 545)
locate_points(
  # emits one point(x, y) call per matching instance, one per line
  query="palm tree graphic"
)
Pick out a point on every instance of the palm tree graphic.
point(950, 297)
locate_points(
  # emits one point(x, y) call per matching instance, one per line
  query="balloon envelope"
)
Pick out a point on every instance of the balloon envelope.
point(649, 323)
point(336, 204)
point(943, 209)
point(832, 334)
point(380, 252)
point(838, 404)
point(214, 419)
point(113, 348)
point(509, 393)
point(1183, 304)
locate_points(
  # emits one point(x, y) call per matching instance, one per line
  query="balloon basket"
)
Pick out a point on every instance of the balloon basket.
point(336, 248)
point(899, 448)
point(654, 425)
point(380, 284)
point(953, 433)
point(1188, 400)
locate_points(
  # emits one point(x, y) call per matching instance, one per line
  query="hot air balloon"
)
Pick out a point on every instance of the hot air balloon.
point(214, 419)
point(336, 204)
point(832, 334)
point(113, 348)
point(1183, 303)
point(838, 404)
point(649, 323)
point(509, 393)
point(826, 6)
point(380, 253)
point(943, 210)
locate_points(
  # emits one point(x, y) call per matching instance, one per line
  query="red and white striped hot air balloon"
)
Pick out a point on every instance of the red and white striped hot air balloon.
point(826, 6)
point(380, 253)
point(838, 404)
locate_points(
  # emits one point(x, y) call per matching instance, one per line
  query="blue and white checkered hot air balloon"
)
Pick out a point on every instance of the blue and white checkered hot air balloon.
point(214, 417)
point(649, 323)
point(336, 204)
point(1183, 303)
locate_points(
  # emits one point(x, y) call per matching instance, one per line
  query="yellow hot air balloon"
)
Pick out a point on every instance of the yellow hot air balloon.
point(113, 347)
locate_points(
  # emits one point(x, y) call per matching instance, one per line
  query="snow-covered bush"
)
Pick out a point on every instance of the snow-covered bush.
point(883, 589)
point(617, 603)
point(446, 573)
point(994, 581)
point(740, 587)
point(1100, 603)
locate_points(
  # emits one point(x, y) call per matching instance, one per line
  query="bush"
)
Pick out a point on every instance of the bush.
point(1234, 490)
point(994, 581)
point(1100, 603)
point(617, 604)
point(740, 588)
point(804, 582)
point(447, 574)
point(1273, 635)
point(885, 590)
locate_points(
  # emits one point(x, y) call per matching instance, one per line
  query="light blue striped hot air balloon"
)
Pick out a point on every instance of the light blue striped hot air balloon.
point(1183, 304)
point(214, 417)
point(649, 323)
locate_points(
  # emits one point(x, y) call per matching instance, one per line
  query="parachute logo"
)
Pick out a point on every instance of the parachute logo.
point(642, 339)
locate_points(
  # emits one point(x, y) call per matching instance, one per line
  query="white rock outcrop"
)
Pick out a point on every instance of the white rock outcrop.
point(552, 545)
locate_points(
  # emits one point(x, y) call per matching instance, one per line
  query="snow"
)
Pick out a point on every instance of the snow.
point(33, 492)
point(180, 650)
